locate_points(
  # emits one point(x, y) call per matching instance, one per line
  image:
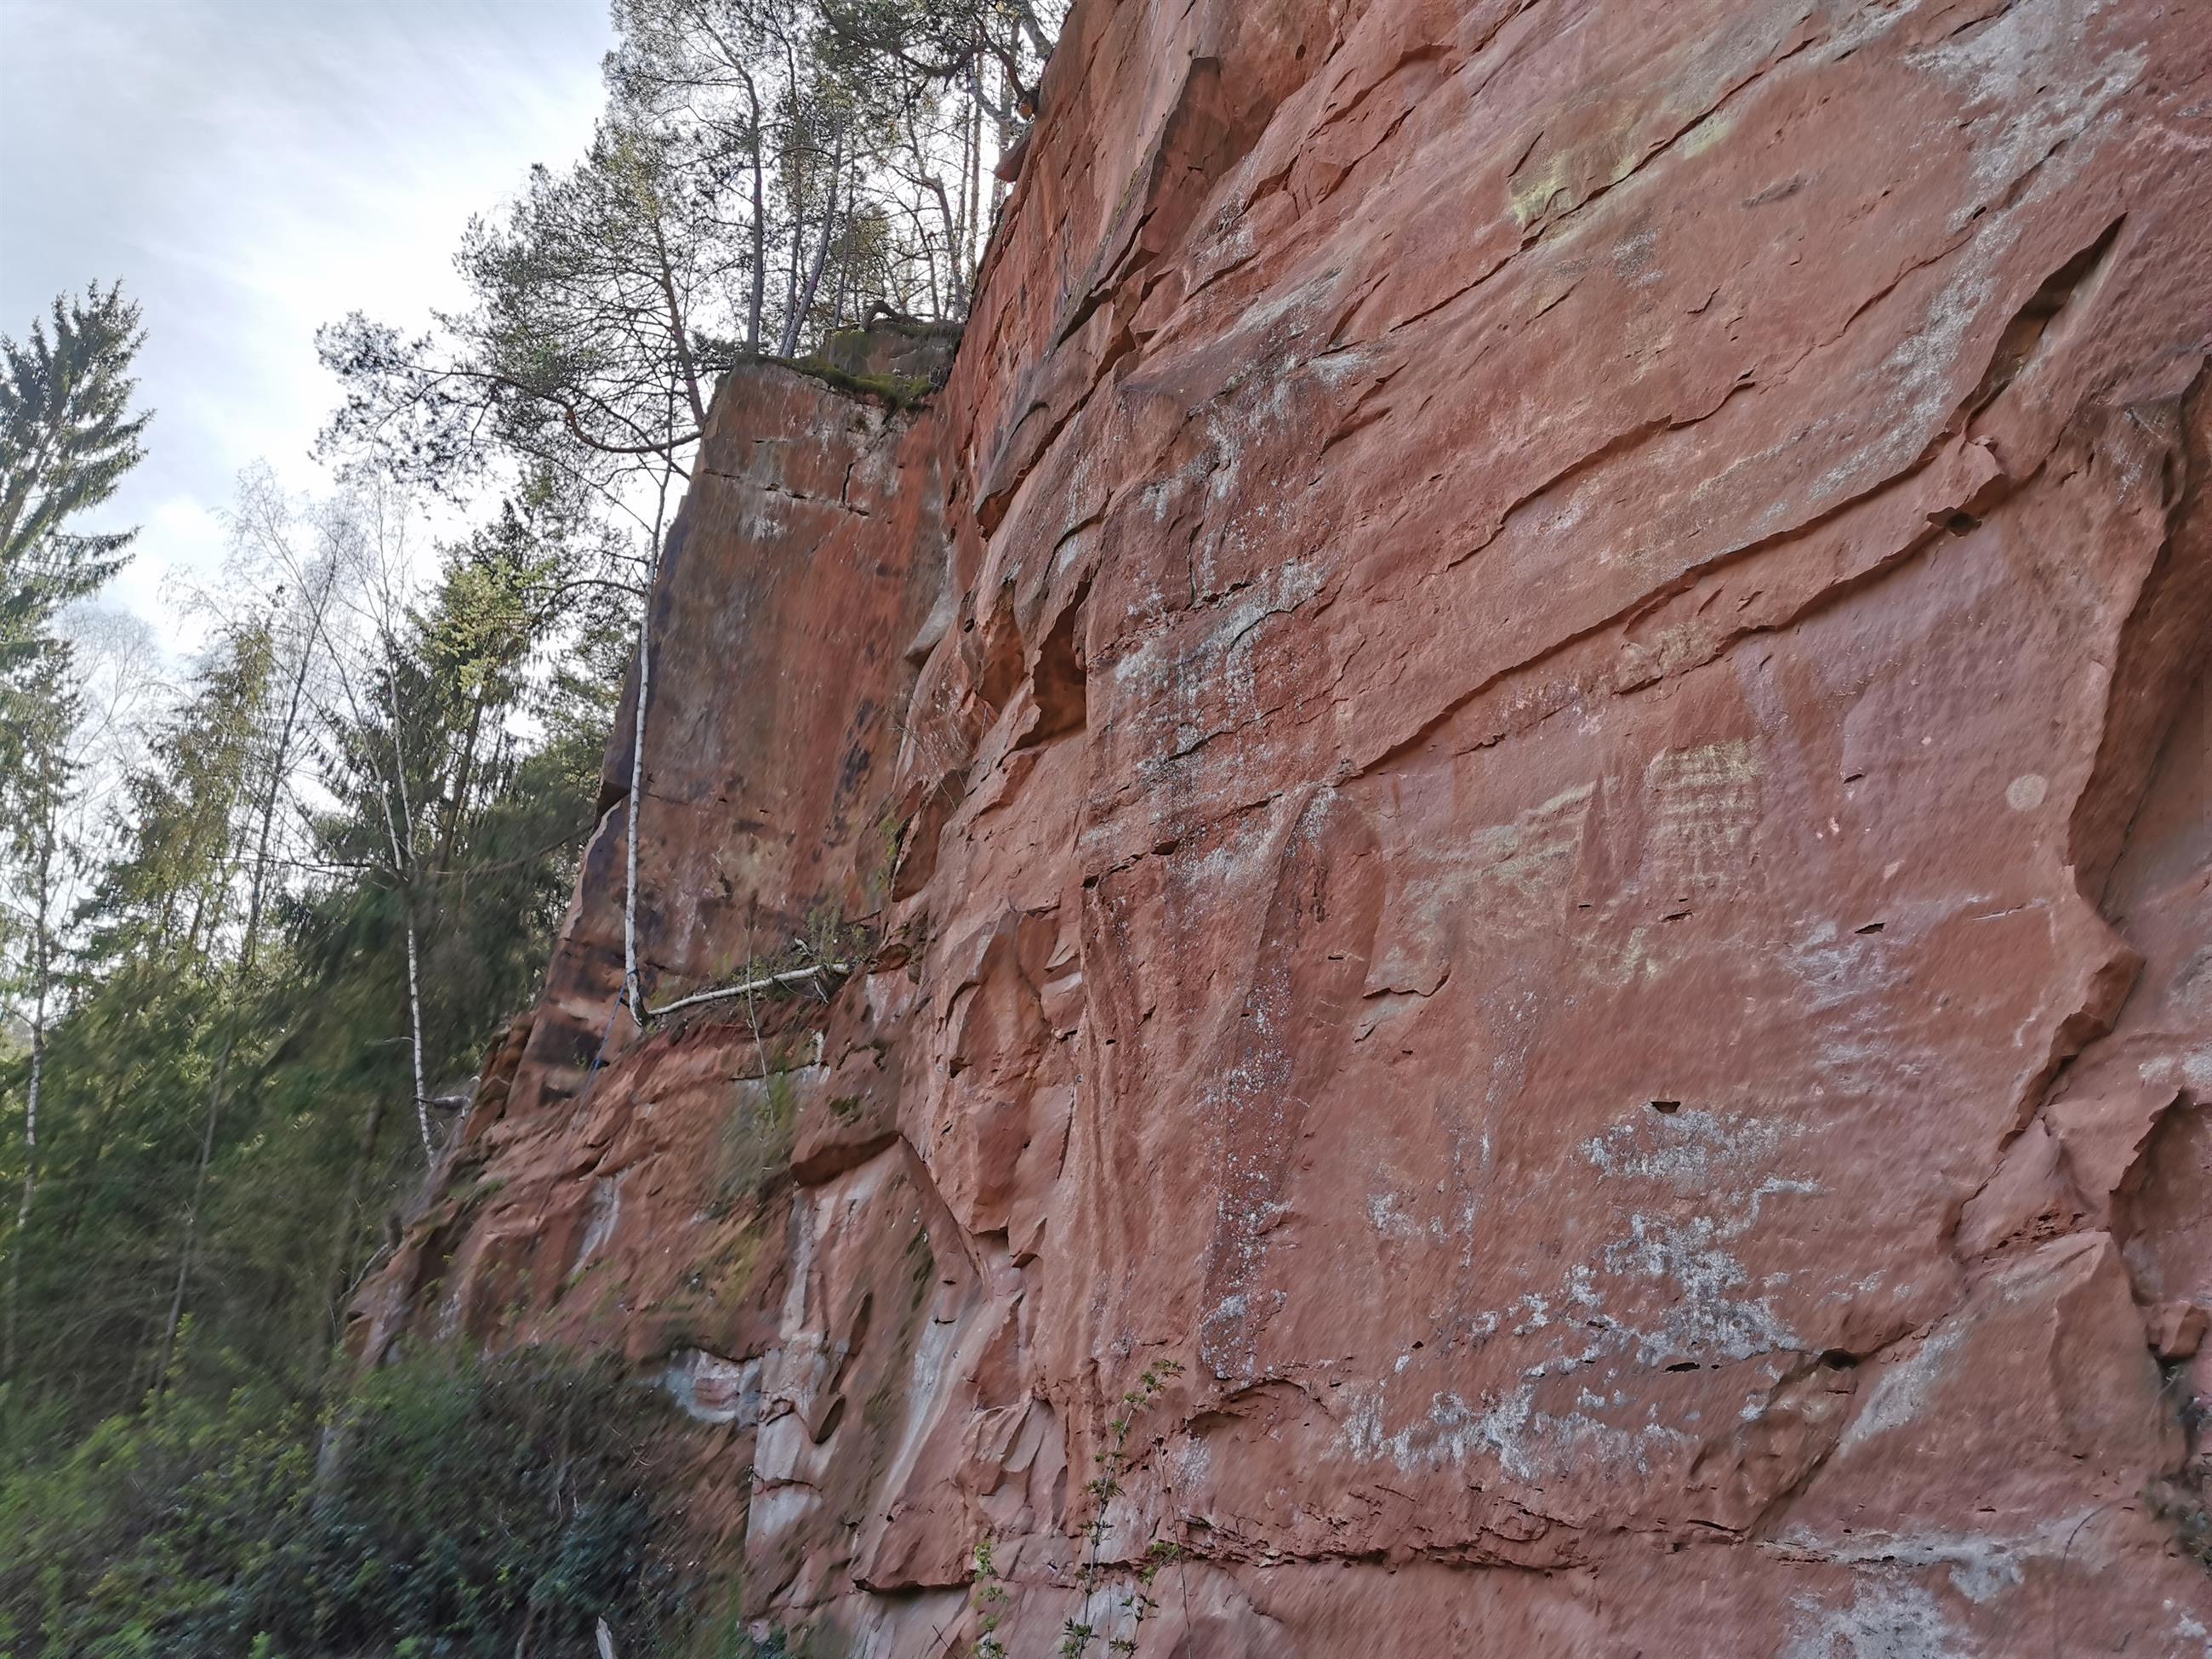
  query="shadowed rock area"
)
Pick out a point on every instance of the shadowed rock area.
point(1519, 767)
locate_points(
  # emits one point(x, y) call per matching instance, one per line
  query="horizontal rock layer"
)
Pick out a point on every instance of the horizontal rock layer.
point(1490, 863)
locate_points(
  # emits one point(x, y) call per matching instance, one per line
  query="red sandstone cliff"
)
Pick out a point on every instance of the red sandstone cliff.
point(1520, 768)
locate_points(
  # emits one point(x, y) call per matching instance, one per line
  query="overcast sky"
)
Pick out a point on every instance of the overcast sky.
point(251, 168)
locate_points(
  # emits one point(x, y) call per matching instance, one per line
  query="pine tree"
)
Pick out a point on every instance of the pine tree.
point(67, 438)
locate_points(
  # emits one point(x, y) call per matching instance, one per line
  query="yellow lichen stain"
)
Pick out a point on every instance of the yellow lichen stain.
point(1524, 863)
point(1532, 193)
point(1554, 187)
point(1638, 959)
point(1703, 804)
point(1505, 880)
point(1705, 135)
point(735, 1266)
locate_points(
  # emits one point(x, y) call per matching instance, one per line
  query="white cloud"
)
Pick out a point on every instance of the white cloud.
point(250, 169)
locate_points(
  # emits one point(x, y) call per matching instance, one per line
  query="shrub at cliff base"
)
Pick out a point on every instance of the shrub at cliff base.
point(462, 1508)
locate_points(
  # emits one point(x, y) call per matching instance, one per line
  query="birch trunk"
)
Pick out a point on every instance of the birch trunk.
point(632, 995)
point(280, 761)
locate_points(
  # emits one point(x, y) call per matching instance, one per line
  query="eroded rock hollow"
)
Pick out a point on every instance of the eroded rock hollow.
point(1488, 858)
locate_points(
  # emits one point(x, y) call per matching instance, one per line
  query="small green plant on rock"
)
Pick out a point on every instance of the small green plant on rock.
point(756, 1140)
point(1077, 1636)
point(990, 1595)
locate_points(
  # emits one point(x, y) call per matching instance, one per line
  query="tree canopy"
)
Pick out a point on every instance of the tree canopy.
point(766, 171)
point(67, 440)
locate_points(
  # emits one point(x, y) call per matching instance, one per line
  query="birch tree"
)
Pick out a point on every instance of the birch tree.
point(367, 535)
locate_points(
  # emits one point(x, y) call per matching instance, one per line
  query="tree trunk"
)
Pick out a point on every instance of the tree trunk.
point(791, 283)
point(42, 964)
point(174, 1322)
point(1001, 137)
point(975, 185)
point(256, 893)
point(464, 775)
point(415, 1025)
point(403, 870)
point(760, 229)
point(632, 992)
point(948, 305)
point(796, 318)
point(677, 335)
point(959, 252)
point(279, 764)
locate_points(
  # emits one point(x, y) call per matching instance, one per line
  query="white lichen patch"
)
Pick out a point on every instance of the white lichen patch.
point(1903, 1391)
point(1980, 1566)
point(1387, 1215)
point(600, 1221)
point(1847, 984)
point(1692, 1151)
point(1669, 1289)
point(1833, 969)
point(1191, 684)
point(1683, 1267)
point(2189, 1628)
point(708, 1388)
point(1886, 1620)
point(1530, 1443)
point(1707, 1311)
point(2029, 85)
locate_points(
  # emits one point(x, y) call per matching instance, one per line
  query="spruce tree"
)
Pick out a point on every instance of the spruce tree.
point(67, 438)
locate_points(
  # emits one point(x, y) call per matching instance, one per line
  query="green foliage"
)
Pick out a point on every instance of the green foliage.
point(67, 438)
point(757, 1139)
point(988, 1593)
point(897, 391)
point(1076, 1635)
point(942, 40)
point(43, 710)
point(223, 1035)
point(457, 1508)
point(334, 869)
point(580, 352)
point(170, 890)
point(230, 1053)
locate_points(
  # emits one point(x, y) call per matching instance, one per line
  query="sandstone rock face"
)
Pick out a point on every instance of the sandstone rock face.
point(1516, 781)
